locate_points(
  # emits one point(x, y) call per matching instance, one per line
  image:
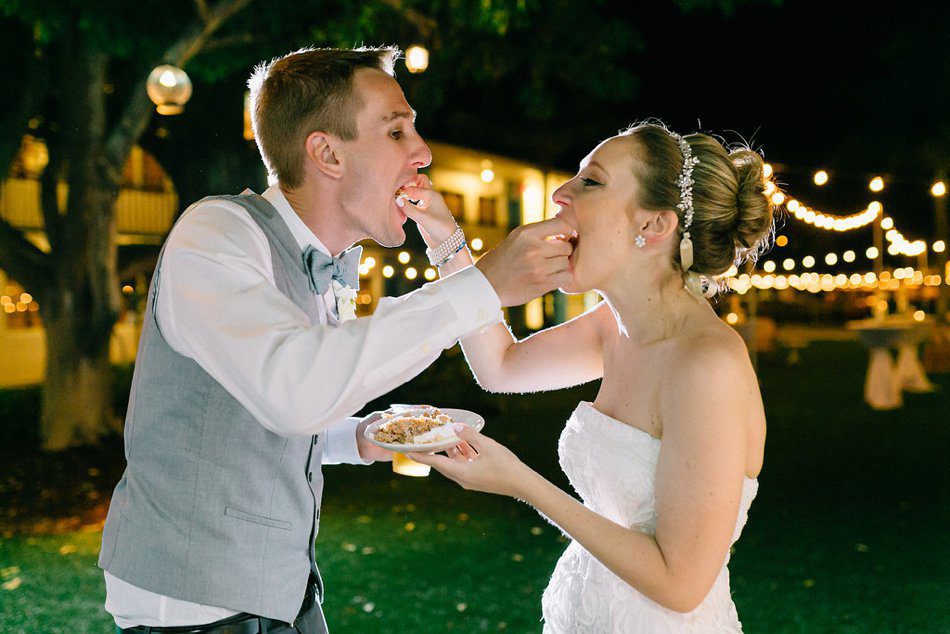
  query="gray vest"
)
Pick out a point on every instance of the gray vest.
point(213, 508)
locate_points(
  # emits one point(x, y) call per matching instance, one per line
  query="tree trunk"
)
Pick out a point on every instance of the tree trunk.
point(76, 282)
point(77, 394)
point(81, 306)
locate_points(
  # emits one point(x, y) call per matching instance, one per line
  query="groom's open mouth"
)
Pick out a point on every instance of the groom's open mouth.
point(401, 195)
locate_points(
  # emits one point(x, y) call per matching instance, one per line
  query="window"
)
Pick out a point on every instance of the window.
point(486, 210)
point(456, 204)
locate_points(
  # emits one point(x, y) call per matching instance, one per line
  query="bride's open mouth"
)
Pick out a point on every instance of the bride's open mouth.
point(573, 240)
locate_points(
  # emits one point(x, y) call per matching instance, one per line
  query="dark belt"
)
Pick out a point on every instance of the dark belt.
point(238, 624)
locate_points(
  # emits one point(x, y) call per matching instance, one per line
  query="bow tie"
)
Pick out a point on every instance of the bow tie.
point(322, 268)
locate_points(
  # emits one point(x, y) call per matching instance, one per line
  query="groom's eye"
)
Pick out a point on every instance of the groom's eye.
point(396, 134)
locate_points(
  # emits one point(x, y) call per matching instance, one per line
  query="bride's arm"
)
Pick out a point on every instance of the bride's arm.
point(698, 487)
point(558, 357)
point(562, 356)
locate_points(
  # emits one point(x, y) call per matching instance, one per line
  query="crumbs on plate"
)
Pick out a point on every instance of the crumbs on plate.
point(419, 425)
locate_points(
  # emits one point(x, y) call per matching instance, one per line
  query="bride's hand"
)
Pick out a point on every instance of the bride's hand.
point(480, 464)
point(430, 213)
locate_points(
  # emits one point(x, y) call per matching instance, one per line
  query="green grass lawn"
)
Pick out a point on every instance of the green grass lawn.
point(848, 534)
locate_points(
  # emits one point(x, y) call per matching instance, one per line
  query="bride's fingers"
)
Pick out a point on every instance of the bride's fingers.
point(414, 196)
point(423, 180)
point(441, 463)
point(455, 454)
point(466, 451)
point(471, 437)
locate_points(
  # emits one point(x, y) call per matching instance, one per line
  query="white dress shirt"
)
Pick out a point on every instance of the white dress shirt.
point(219, 305)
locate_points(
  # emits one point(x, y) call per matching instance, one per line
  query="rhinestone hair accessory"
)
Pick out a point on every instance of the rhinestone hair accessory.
point(685, 182)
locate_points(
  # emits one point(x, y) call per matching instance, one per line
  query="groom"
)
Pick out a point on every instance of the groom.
point(247, 376)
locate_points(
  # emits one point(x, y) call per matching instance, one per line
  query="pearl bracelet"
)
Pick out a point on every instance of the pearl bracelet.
point(443, 254)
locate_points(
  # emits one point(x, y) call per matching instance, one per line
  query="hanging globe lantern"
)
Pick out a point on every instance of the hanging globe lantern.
point(417, 58)
point(169, 88)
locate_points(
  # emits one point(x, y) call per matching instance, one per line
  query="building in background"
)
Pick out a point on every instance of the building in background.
point(489, 195)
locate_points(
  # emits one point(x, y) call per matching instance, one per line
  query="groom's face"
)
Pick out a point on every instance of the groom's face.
point(385, 155)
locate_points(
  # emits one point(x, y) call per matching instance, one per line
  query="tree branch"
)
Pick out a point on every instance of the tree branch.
point(423, 23)
point(23, 260)
point(203, 10)
point(231, 40)
point(138, 109)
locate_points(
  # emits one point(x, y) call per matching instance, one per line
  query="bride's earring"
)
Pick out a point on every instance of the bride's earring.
point(640, 241)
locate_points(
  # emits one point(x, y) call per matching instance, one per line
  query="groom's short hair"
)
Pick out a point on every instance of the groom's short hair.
point(303, 92)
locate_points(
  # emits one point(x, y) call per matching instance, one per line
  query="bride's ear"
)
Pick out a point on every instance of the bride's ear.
point(657, 225)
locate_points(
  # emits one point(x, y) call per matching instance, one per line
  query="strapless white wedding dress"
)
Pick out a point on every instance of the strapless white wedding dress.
point(612, 466)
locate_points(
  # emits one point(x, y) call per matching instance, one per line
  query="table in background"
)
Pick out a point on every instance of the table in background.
point(886, 379)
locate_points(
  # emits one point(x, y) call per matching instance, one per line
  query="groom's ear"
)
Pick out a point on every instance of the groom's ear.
point(324, 154)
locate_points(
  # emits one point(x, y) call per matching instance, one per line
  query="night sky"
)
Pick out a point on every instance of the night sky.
point(849, 87)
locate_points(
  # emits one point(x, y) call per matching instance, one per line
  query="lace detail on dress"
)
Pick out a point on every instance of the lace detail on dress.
point(612, 466)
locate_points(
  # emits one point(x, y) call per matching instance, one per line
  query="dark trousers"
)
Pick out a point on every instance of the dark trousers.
point(310, 620)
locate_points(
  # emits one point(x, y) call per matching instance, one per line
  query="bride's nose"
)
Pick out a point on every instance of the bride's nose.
point(561, 196)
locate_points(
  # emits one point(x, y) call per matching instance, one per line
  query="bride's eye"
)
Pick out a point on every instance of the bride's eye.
point(590, 182)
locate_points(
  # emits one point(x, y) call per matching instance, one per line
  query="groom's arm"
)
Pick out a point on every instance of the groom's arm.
point(340, 444)
point(218, 305)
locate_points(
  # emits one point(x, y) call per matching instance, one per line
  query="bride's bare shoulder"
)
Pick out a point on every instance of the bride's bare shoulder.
point(714, 347)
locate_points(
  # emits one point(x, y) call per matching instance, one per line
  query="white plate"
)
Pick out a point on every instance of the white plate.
point(458, 416)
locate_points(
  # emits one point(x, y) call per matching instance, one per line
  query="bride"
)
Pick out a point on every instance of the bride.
point(666, 458)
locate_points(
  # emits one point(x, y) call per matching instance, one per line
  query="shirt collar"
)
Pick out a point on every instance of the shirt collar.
point(301, 232)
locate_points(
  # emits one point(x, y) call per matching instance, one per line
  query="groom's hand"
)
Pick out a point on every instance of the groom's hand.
point(369, 451)
point(530, 262)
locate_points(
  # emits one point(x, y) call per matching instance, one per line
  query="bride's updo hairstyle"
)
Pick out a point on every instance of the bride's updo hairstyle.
point(732, 215)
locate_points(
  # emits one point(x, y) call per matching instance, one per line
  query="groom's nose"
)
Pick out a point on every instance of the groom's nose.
point(421, 154)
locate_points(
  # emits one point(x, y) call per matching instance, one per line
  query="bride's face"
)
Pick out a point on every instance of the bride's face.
point(597, 203)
